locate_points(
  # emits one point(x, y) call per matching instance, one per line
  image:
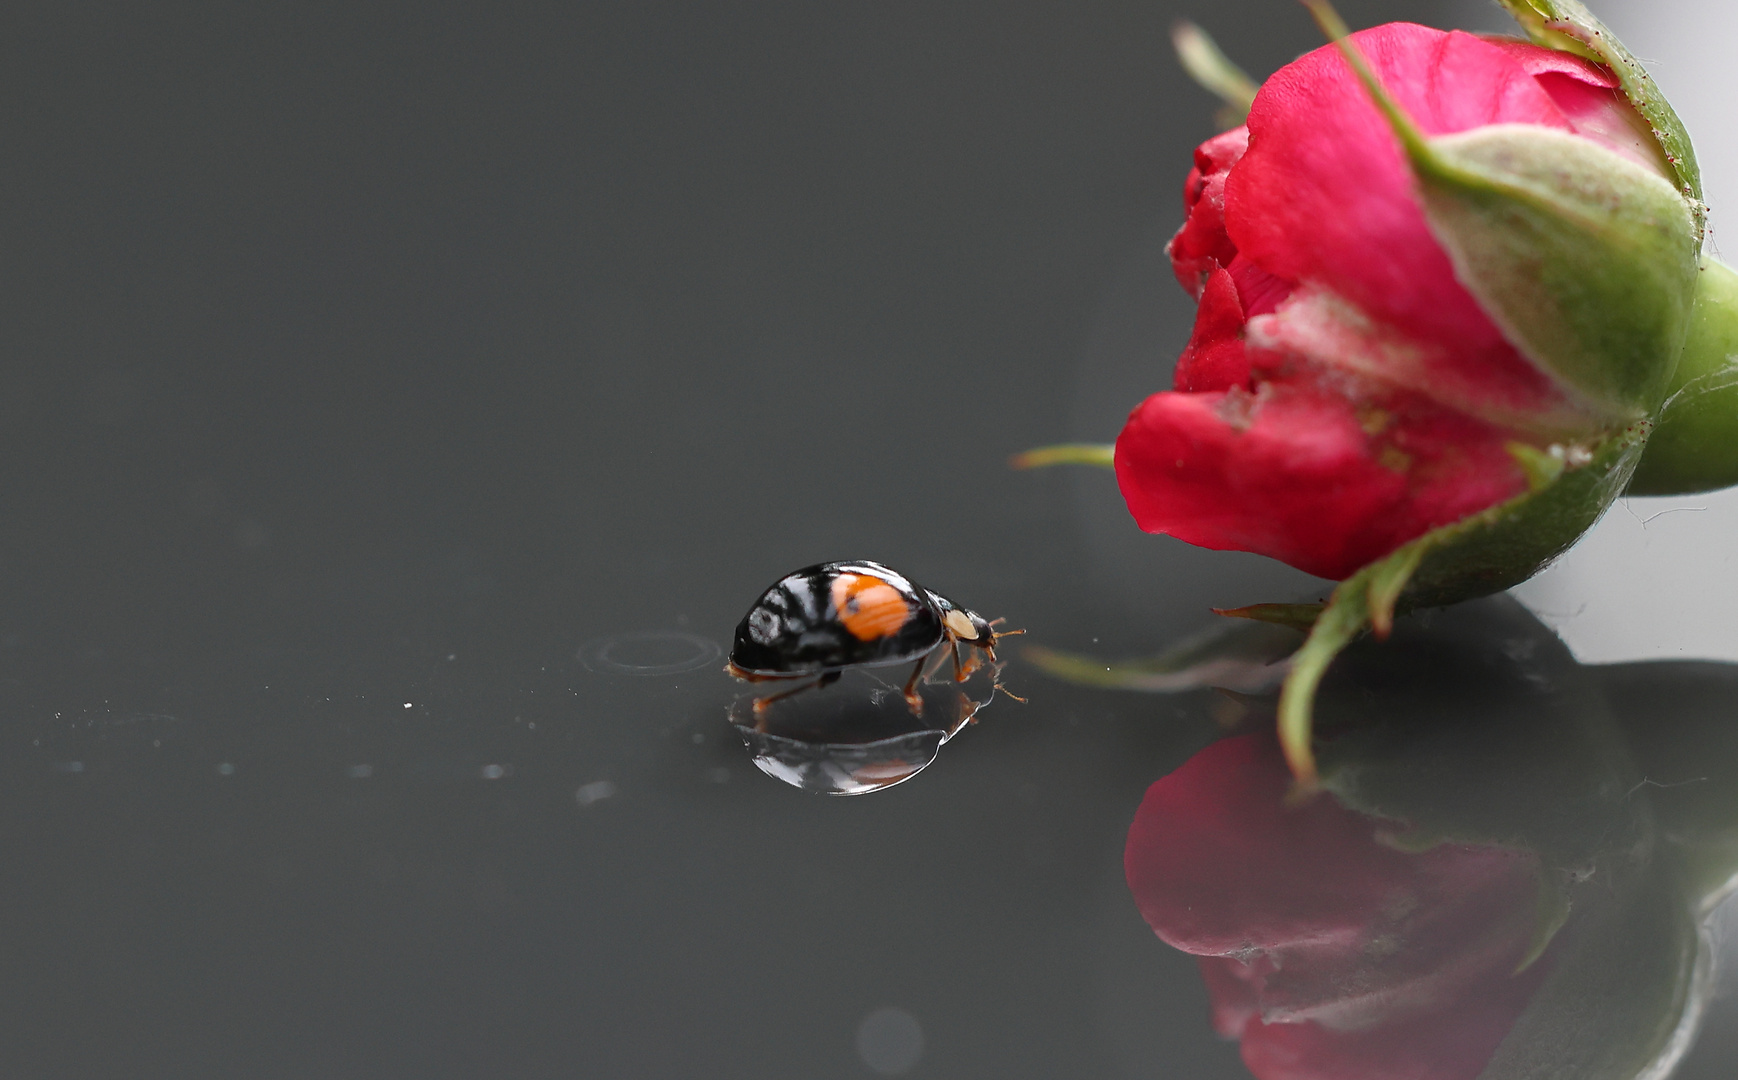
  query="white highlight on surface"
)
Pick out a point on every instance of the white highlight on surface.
point(890, 1041)
point(1656, 579)
point(596, 791)
point(360, 772)
point(495, 772)
point(225, 769)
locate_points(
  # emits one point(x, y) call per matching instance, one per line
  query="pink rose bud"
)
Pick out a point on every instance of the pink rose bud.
point(1451, 300)
point(1381, 324)
point(1449, 285)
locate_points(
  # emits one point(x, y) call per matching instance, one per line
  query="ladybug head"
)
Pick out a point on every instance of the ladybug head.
point(969, 628)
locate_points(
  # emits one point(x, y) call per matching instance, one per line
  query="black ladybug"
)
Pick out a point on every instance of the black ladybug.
point(832, 616)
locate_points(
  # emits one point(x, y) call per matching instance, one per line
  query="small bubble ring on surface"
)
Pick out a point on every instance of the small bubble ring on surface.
point(890, 1041)
point(652, 652)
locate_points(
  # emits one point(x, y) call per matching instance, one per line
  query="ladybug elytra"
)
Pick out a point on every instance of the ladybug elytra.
point(823, 619)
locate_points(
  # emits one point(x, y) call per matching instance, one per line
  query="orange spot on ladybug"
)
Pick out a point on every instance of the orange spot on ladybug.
point(868, 607)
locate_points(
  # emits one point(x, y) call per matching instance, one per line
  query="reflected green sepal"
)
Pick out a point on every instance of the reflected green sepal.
point(1245, 658)
point(1695, 441)
point(1624, 1002)
point(1678, 719)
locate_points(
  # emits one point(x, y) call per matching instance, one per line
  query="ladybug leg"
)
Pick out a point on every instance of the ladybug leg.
point(960, 674)
point(972, 662)
point(760, 704)
point(933, 664)
point(913, 700)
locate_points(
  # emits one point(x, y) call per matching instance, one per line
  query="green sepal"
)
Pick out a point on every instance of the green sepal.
point(1502, 546)
point(1243, 657)
point(1296, 616)
point(1586, 260)
point(1567, 26)
point(1102, 455)
point(1213, 71)
point(1488, 552)
point(1694, 446)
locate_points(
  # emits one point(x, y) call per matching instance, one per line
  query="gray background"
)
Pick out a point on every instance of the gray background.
point(366, 362)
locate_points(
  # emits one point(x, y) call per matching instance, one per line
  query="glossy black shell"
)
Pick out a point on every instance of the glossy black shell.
point(793, 629)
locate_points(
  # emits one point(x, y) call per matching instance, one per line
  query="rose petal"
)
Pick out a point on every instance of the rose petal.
point(1406, 961)
point(1536, 60)
point(1300, 475)
point(1590, 98)
point(1232, 996)
point(1201, 245)
point(1452, 1044)
point(1215, 358)
point(1324, 195)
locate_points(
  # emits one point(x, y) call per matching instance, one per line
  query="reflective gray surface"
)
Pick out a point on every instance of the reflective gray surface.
point(404, 404)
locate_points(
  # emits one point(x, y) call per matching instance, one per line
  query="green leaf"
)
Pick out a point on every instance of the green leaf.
point(1567, 26)
point(1694, 446)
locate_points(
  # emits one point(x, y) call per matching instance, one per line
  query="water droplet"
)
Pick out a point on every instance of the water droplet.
point(596, 791)
point(858, 735)
point(890, 1041)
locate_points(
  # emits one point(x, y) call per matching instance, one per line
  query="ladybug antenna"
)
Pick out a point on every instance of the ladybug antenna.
point(997, 635)
point(1010, 693)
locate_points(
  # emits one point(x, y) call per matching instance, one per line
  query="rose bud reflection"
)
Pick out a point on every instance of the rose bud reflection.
point(1487, 883)
point(1325, 950)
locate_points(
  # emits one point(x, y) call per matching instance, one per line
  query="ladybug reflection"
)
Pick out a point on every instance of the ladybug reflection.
point(826, 618)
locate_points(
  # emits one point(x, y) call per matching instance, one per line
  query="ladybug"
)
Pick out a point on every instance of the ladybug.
point(831, 616)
